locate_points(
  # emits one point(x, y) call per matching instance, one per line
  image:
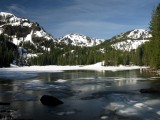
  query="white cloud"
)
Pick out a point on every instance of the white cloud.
point(16, 8)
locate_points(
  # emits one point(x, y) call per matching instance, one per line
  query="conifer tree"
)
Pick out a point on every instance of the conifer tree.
point(154, 49)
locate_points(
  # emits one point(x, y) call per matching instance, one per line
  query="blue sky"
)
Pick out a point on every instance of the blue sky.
point(94, 18)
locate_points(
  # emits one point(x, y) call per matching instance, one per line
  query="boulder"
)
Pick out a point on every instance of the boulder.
point(4, 103)
point(50, 100)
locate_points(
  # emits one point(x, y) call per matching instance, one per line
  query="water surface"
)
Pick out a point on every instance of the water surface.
point(87, 95)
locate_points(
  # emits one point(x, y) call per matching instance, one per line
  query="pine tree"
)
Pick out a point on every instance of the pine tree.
point(155, 40)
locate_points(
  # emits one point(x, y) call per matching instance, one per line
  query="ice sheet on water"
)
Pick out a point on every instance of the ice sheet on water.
point(130, 79)
point(24, 97)
point(140, 110)
point(114, 106)
point(158, 112)
point(17, 75)
point(128, 112)
point(61, 81)
point(104, 117)
point(67, 112)
point(25, 72)
point(40, 86)
point(142, 106)
point(87, 78)
point(153, 102)
point(132, 105)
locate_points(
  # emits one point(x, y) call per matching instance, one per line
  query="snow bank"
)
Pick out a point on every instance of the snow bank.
point(55, 68)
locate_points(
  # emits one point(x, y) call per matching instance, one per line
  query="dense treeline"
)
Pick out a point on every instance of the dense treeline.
point(74, 55)
point(67, 55)
point(7, 51)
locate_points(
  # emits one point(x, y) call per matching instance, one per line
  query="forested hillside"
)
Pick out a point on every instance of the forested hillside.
point(112, 51)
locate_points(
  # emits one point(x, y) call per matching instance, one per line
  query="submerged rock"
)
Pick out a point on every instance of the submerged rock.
point(4, 103)
point(150, 90)
point(50, 100)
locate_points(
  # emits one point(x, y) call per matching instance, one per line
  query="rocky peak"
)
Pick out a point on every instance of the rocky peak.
point(79, 40)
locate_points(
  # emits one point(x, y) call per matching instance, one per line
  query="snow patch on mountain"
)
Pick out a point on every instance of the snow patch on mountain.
point(80, 40)
point(131, 40)
point(10, 19)
point(17, 41)
point(29, 37)
point(139, 33)
point(23, 32)
point(128, 45)
point(26, 30)
point(102, 50)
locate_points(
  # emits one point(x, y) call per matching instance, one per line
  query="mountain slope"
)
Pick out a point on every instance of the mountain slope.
point(23, 31)
point(130, 40)
point(10, 20)
point(29, 37)
point(79, 40)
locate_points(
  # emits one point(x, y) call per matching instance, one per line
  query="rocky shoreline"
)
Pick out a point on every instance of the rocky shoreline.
point(154, 71)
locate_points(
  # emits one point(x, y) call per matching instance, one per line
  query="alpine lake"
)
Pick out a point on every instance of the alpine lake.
point(86, 95)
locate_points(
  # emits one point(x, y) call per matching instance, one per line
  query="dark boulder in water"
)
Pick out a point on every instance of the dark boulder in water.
point(50, 100)
point(150, 90)
point(4, 103)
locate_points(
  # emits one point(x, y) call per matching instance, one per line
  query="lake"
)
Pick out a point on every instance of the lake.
point(87, 95)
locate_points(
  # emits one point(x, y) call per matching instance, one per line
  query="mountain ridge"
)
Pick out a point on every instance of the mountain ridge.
point(74, 39)
point(34, 42)
point(71, 39)
point(130, 40)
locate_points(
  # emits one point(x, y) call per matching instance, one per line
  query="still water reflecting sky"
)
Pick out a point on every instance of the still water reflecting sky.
point(86, 95)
